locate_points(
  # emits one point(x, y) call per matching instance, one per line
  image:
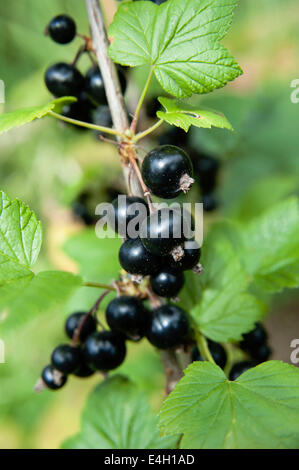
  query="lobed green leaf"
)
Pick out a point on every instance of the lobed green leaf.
point(117, 416)
point(180, 39)
point(184, 115)
point(26, 115)
point(259, 410)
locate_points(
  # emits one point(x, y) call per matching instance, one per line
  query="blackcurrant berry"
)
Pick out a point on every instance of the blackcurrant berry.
point(52, 378)
point(136, 259)
point(239, 368)
point(174, 136)
point(167, 283)
point(189, 260)
point(84, 371)
point(101, 116)
point(87, 325)
point(126, 209)
point(167, 170)
point(95, 84)
point(127, 315)
point(81, 110)
point(257, 337)
point(217, 351)
point(261, 353)
point(105, 350)
point(66, 358)
point(152, 106)
point(157, 2)
point(80, 210)
point(64, 80)
point(205, 170)
point(62, 29)
point(209, 202)
point(168, 327)
point(164, 230)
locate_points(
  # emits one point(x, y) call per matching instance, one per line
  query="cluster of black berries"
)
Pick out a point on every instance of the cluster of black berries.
point(64, 79)
point(92, 350)
point(254, 343)
point(159, 244)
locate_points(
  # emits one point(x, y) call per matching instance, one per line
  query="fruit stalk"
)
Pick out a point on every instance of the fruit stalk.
point(120, 121)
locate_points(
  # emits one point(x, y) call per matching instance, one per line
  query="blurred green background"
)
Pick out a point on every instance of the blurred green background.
point(47, 165)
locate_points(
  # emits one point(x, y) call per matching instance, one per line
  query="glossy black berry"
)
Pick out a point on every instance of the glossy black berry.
point(190, 258)
point(66, 358)
point(84, 371)
point(205, 170)
point(101, 116)
point(209, 202)
point(164, 230)
point(174, 136)
point(128, 212)
point(239, 368)
point(217, 351)
point(62, 29)
point(127, 315)
point(166, 171)
point(81, 110)
point(257, 337)
point(52, 378)
point(261, 353)
point(136, 259)
point(95, 84)
point(157, 2)
point(105, 350)
point(168, 327)
point(87, 325)
point(64, 80)
point(152, 106)
point(81, 211)
point(167, 283)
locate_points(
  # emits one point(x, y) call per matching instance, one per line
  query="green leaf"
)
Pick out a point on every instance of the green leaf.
point(222, 308)
point(117, 416)
point(46, 291)
point(97, 257)
point(20, 234)
point(258, 410)
point(180, 40)
point(184, 115)
point(271, 246)
point(26, 115)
